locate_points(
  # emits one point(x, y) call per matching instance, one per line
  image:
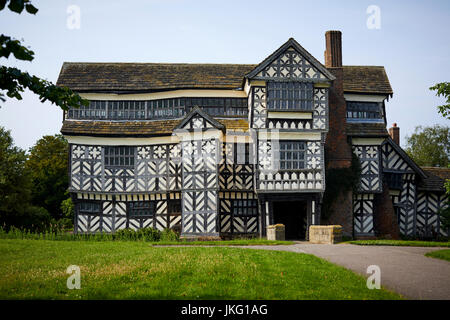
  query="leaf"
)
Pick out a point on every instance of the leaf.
point(16, 5)
point(31, 9)
point(2, 4)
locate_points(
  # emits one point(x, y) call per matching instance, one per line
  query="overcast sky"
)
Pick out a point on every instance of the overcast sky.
point(412, 43)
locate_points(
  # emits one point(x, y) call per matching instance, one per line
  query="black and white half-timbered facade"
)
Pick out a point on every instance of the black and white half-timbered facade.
point(226, 149)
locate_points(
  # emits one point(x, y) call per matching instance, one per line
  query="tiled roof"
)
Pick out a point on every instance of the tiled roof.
point(358, 129)
point(435, 179)
point(366, 79)
point(147, 77)
point(136, 128)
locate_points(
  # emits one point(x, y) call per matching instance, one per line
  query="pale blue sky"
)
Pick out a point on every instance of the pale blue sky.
point(413, 44)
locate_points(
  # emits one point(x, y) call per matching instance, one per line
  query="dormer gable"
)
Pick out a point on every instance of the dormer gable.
point(198, 119)
point(291, 61)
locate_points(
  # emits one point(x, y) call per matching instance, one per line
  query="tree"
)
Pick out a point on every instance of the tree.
point(430, 146)
point(14, 81)
point(48, 167)
point(443, 89)
point(15, 183)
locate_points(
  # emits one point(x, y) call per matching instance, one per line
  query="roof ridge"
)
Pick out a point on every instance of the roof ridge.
point(358, 65)
point(163, 63)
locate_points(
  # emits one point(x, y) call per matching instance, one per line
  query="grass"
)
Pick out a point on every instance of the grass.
point(36, 269)
point(237, 242)
point(412, 243)
point(440, 254)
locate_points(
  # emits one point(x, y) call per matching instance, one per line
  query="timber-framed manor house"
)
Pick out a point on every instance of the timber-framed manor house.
point(224, 150)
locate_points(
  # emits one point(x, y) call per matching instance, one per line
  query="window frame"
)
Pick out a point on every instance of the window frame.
point(244, 207)
point(394, 180)
point(363, 111)
point(290, 96)
point(300, 152)
point(89, 211)
point(146, 206)
point(173, 204)
point(117, 157)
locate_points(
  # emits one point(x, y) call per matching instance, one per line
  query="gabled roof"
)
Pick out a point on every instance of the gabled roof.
point(366, 79)
point(288, 44)
point(150, 77)
point(198, 111)
point(435, 179)
point(418, 170)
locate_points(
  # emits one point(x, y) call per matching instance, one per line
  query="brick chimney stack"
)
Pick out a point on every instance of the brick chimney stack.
point(333, 50)
point(394, 132)
point(339, 152)
point(337, 149)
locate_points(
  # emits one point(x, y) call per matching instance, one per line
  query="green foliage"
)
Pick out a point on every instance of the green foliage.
point(444, 214)
point(429, 146)
point(57, 231)
point(15, 182)
point(340, 180)
point(169, 235)
point(9, 45)
point(35, 218)
point(68, 208)
point(18, 6)
point(48, 167)
point(443, 89)
point(31, 190)
point(14, 81)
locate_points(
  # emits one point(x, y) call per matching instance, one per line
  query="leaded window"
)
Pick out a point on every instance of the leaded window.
point(126, 110)
point(136, 209)
point(95, 110)
point(174, 206)
point(89, 207)
point(364, 110)
point(165, 108)
point(244, 207)
point(219, 106)
point(394, 180)
point(158, 109)
point(292, 155)
point(290, 95)
point(119, 157)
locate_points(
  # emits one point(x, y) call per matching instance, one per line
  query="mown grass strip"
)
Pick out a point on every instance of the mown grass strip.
point(440, 254)
point(408, 243)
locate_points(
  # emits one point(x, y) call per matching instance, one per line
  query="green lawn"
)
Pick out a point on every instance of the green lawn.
point(36, 269)
point(238, 242)
point(400, 243)
point(440, 254)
